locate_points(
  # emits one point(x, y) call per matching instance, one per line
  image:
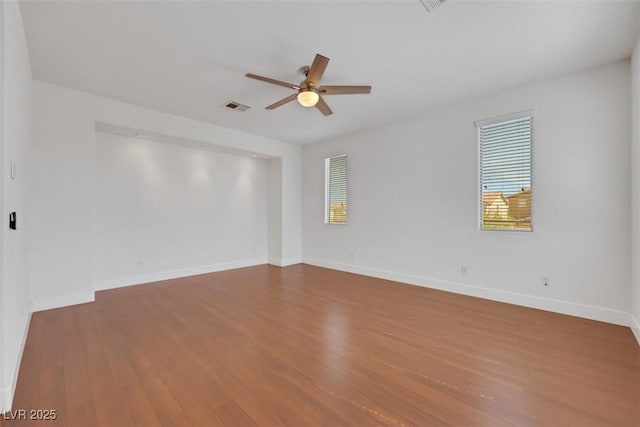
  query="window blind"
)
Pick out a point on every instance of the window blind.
point(505, 174)
point(336, 190)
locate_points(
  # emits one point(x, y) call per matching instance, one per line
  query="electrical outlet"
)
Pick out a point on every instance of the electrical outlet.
point(464, 270)
point(544, 280)
point(351, 255)
point(140, 262)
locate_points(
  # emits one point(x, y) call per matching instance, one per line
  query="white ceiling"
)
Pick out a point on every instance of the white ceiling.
point(189, 58)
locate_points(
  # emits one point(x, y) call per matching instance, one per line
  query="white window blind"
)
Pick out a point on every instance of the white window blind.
point(505, 173)
point(336, 190)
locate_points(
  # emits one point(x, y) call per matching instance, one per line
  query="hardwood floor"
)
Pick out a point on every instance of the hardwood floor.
point(304, 345)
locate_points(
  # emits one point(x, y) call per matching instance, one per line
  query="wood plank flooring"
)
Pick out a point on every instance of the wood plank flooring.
point(303, 346)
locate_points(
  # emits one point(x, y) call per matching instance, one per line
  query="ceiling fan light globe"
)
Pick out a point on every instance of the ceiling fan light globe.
point(308, 98)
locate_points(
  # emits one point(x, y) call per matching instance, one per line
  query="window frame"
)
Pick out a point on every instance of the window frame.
point(530, 113)
point(327, 202)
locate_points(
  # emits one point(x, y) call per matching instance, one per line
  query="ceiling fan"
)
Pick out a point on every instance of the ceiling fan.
point(309, 90)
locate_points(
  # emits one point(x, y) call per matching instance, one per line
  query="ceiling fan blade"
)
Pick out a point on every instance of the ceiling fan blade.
point(343, 90)
point(274, 81)
point(282, 102)
point(322, 106)
point(316, 70)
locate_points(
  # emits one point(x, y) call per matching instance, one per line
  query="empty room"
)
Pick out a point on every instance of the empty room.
point(302, 213)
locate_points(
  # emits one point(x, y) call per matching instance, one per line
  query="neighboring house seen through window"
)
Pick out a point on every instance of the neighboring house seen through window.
point(505, 172)
point(335, 190)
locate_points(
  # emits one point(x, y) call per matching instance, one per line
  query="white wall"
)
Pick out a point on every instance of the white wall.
point(291, 211)
point(63, 176)
point(15, 125)
point(275, 211)
point(5, 393)
point(413, 200)
point(635, 190)
point(166, 210)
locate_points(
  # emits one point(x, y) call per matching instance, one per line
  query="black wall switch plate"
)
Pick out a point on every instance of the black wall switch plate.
point(12, 220)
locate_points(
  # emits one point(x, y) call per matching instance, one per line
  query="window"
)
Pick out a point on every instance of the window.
point(505, 172)
point(335, 190)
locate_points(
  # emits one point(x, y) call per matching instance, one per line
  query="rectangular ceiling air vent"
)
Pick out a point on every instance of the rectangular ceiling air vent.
point(233, 105)
point(429, 5)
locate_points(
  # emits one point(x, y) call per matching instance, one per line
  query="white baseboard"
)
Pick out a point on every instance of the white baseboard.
point(63, 301)
point(174, 274)
point(284, 262)
point(290, 261)
point(635, 327)
point(602, 314)
point(274, 261)
point(7, 392)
